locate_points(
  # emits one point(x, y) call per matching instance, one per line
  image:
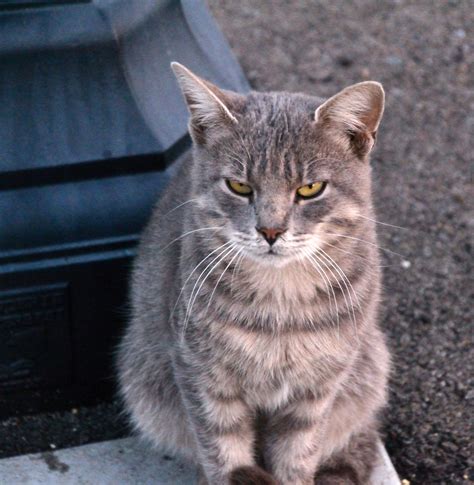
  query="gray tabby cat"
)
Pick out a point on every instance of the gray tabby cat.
point(253, 347)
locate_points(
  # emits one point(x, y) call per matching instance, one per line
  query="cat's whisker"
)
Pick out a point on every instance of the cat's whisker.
point(216, 214)
point(221, 276)
point(235, 159)
point(341, 273)
point(244, 146)
point(329, 288)
point(235, 271)
point(194, 292)
point(347, 285)
point(303, 260)
point(383, 223)
point(219, 257)
point(187, 234)
point(180, 205)
point(292, 246)
point(324, 260)
point(370, 263)
point(233, 153)
point(310, 162)
point(245, 237)
point(224, 249)
point(304, 238)
point(316, 255)
point(194, 270)
point(367, 242)
point(346, 252)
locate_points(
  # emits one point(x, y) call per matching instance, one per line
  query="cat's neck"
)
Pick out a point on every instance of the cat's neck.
point(291, 282)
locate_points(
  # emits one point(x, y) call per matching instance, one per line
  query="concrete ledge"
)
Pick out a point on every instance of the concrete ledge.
point(122, 462)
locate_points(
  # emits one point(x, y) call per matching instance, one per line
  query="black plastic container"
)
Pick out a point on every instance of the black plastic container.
point(91, 119)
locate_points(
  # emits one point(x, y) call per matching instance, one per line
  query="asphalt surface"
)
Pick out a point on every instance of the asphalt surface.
point(423, 54)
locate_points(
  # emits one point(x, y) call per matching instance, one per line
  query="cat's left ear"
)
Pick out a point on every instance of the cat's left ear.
point(210, 107)
point(355, 112)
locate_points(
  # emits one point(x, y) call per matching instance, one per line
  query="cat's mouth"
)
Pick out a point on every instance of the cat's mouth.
point(273, 253)
point(274, 257)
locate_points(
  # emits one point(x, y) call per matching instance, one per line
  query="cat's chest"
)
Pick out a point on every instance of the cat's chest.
point(272, 368)
point(275, 299)
point(282, 287)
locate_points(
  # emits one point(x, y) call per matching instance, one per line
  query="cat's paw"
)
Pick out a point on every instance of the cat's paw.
point(336, 478)
point(334, 481)
point(251, 475)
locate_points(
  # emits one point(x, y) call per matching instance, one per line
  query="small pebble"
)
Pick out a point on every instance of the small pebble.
point(448, 446)
point(470, 394)
point(365, 73)
point(74, 410)
point(406, 264)
point(393, 61)
point(52, 446)
point(405, 482)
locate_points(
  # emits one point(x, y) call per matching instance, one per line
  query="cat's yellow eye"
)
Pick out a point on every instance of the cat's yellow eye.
point(311, 190)
point(238, 188)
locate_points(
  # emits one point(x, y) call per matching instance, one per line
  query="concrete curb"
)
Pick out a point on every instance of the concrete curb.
point(127, 461)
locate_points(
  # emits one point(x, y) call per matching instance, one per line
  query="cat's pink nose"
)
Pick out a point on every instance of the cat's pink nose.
point(271, 234)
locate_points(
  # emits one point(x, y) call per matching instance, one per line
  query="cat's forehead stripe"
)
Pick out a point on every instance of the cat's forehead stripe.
point(275, 134)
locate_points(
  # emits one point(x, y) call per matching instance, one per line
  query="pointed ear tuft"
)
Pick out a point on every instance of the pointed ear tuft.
point(356, 111)
point(208, 105)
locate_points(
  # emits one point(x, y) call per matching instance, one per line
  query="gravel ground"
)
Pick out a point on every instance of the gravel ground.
point(61, 429)
point(422, 54)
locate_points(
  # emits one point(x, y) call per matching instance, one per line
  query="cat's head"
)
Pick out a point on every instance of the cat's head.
point(281, 172)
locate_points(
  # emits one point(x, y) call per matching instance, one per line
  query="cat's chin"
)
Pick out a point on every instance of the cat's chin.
point(273, 259)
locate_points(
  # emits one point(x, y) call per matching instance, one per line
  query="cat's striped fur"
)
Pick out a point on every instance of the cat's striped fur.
point(263, 368)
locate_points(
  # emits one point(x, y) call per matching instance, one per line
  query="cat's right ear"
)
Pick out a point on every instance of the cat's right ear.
point(209, 106)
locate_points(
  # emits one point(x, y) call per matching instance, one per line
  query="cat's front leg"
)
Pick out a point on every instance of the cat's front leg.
point(294, 438)
point(223, 427)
